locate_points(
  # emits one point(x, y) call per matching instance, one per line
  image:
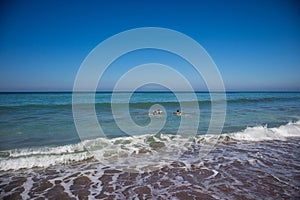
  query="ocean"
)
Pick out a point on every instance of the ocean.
point(256, 155)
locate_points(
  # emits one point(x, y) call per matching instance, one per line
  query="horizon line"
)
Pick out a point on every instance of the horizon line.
point(155, 91)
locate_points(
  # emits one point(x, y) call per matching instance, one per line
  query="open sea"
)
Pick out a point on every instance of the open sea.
point(42, 155)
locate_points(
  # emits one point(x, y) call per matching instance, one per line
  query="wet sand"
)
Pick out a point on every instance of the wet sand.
point(233, 170)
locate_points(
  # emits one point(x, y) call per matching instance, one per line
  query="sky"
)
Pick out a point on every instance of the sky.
point(255, 44)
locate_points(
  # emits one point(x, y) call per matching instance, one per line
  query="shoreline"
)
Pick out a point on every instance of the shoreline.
point(232, 170)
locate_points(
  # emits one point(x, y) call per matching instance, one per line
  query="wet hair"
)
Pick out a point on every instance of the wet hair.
point(177, 110)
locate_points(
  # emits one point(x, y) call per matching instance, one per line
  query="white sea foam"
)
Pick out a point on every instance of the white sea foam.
point(27, 185)
point(40, 160)
point(260, 133)
point(138, 151)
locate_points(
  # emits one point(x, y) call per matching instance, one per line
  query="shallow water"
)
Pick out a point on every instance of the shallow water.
point(233, 170)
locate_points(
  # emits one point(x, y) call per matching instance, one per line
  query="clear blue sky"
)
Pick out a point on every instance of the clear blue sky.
point(255, 44)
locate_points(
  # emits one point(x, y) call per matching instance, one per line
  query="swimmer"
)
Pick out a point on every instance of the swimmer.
point(157, 112)
point(177, 112)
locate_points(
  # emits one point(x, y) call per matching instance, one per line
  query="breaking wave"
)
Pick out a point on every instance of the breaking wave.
point(155, 147)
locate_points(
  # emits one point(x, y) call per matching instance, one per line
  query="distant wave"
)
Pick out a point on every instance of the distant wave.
point(126, 146)
point(150, 103)
point(264, 99)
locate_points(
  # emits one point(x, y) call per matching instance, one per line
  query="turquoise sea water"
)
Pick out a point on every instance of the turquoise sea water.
point(36, 126)
point(45, 119)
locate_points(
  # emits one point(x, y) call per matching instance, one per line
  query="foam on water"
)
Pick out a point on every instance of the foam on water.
point(27, 185)
point(233, 170)
point(136, 151)
point(260, 133)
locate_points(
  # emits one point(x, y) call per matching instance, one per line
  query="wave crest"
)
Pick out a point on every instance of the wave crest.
point(135, 146)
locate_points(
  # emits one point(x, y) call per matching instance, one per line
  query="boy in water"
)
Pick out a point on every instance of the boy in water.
point(177, 112)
